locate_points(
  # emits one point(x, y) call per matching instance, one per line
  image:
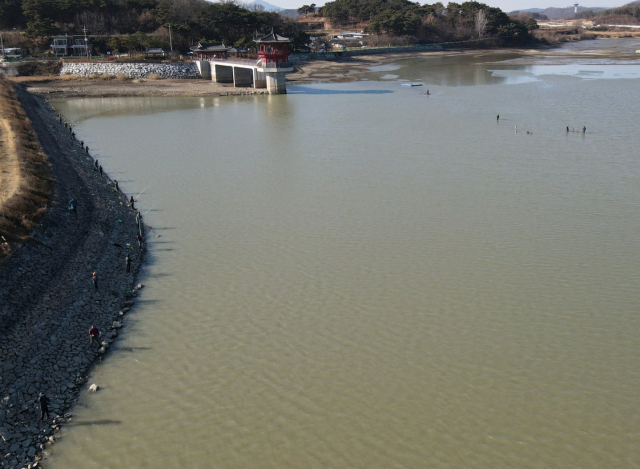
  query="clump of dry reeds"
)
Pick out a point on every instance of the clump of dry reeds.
point(21, 212)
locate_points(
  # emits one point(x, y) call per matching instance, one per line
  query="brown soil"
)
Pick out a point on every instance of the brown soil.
point(70, 86)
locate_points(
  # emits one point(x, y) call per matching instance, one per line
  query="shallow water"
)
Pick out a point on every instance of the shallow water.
point(360, 275)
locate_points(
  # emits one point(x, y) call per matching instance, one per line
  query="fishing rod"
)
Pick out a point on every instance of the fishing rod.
point(142, 191)
point(150, 208)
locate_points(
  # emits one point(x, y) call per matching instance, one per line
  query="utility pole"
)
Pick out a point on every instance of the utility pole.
point(170, 41)
point(86, 41)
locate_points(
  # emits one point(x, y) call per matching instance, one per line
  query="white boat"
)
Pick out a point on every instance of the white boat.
point(412, 84)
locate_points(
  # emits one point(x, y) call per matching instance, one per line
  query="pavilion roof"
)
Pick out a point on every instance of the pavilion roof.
point(210, 47)
point(272, 37)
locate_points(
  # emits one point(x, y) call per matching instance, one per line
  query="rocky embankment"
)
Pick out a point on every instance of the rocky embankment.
point(132, 70)
point(47, 299)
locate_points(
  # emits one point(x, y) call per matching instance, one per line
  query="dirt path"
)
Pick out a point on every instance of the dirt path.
point(47, 299)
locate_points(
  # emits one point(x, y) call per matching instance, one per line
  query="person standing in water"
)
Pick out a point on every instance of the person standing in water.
point(584, 130)
point(498, 117)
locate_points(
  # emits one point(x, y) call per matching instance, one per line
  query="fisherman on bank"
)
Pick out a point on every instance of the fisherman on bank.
point(94, 333)
point(44, 406)
point(100, 170)
point(131, 202)
point(115, 185)
point(94, 279)
point(127, 262)
point(73, 205)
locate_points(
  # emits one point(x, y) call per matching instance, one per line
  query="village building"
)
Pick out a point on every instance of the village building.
point(210, 50)
point(76, 44)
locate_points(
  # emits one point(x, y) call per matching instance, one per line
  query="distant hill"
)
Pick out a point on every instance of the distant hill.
point(558, 13)
point(267, 6)
point(290, 13)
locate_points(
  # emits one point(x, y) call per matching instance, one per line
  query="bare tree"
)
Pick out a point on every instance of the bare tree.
point(481, 23)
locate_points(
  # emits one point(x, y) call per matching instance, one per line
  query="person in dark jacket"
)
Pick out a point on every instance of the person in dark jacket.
point(94, 333)
point(44, 406)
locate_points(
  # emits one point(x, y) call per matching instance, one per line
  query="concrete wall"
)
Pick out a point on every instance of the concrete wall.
point(204, 67)
point(276, 83)
point(221, 73)
point(259, 79)
point(242, 77)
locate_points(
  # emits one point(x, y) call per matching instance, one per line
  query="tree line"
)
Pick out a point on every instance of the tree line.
point(123, 25)
point(626, 14)
point(428, 23)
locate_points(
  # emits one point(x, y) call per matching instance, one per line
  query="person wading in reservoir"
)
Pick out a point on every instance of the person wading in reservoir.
point(44, 407)
point(584, 130)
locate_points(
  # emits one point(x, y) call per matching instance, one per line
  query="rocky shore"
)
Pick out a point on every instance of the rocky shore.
point(47, 299)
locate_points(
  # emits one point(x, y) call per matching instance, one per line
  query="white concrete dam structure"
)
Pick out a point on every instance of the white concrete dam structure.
point(247, 73)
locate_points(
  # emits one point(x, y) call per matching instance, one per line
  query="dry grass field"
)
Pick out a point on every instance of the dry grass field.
point(26, 187)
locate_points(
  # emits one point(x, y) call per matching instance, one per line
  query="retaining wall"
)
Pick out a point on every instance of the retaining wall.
point(364, 51)
point(132, 70)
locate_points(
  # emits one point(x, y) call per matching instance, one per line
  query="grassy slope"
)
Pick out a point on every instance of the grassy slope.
point(25, 173)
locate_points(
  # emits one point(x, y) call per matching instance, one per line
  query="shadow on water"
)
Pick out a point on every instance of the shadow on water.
point(94, 422)
point(135, 349)
point(159, 274)
point(146, 302)
point(303, 90)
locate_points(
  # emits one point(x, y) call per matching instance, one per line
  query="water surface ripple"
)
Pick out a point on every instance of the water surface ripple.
point(364, 276)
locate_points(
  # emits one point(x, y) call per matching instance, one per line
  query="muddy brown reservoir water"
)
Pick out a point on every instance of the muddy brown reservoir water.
point(360, 275)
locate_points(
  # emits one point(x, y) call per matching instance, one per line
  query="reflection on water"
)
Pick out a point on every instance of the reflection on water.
point(584, 60)
point(107, 107)
point(343, 277)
